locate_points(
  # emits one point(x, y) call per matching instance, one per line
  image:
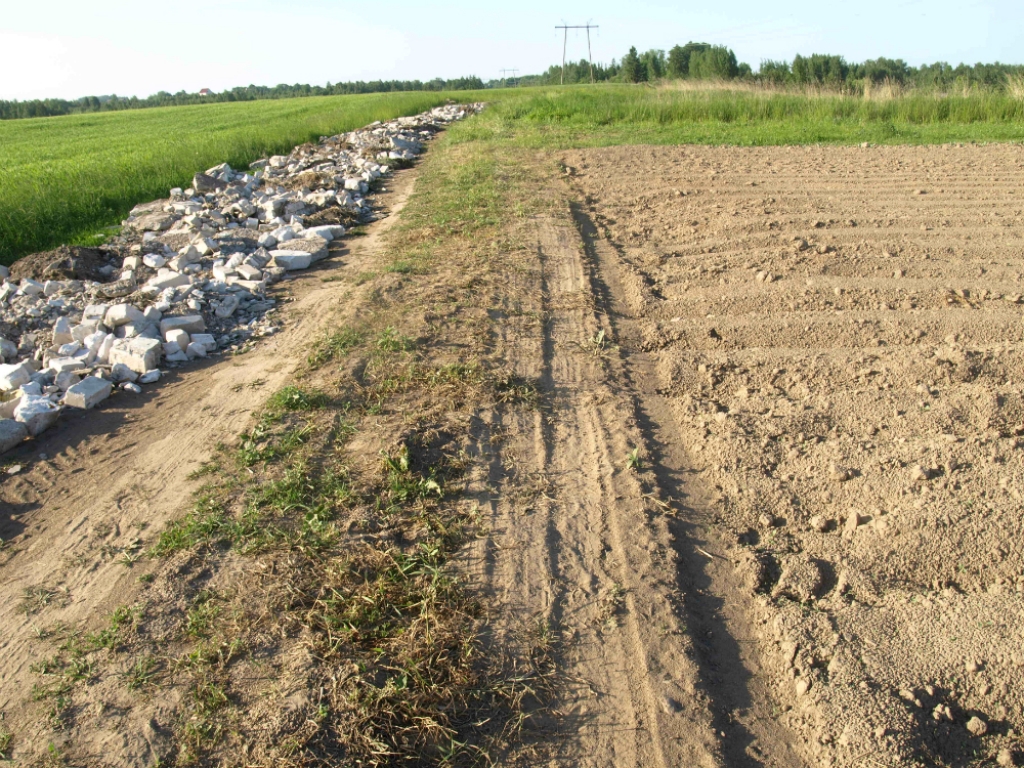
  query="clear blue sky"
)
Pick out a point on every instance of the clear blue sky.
point(72, 48)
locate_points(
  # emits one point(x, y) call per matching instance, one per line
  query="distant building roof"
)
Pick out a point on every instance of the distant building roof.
point(205, 92)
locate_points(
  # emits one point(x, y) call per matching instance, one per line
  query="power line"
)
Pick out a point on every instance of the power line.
point(565, 43)
point(515, 76)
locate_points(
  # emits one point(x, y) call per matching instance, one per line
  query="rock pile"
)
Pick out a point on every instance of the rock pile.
point(187, 276)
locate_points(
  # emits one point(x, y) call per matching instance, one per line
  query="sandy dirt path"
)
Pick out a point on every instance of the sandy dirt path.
point(106, 482)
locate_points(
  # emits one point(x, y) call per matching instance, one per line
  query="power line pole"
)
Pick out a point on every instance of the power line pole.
point(515, 77)
point(565, 43)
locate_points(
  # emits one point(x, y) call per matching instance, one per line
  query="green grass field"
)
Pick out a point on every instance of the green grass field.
point(65, 179)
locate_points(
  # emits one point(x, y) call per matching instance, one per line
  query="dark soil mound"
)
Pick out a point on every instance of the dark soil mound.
point(65, 263)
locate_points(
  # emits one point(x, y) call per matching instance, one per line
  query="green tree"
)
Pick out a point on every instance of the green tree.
point(633, 70)
point(715, 63)
point(679, 58)
point(654, 63)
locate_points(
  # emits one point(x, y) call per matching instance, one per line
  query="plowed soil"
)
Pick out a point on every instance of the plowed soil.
point(826, 341)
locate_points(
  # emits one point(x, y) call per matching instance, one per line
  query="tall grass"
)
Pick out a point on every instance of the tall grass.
point(62, 179)
point(743, 115)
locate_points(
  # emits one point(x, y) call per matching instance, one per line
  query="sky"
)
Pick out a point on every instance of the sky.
point(70, 48)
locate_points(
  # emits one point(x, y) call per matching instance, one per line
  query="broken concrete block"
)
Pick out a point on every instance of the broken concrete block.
point(89, 392)
point(103, 355)
point(249, 272)
point(328, 231)
point(122, 314)
point(206, 339)
point(150, 377)
point(62, 331)
point(315, 246)
point(194, 350)
point(14, 375)
point(59, 364)
point(292, 260)
point(169, 280)
point(37, 413)
point(121, 372)
point(66, 379)
point(139, 354)
point(12, 433)
point(30, 287)
point(186, 323)
point(228, 306)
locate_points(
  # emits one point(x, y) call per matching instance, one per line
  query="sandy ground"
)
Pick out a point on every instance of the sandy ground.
point(826, 340)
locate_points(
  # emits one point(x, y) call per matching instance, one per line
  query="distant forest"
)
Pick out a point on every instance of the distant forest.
point(693, 61)
point(702, 61)
point(10, 110)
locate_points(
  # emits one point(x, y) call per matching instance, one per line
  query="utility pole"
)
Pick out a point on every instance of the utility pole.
point(565, 43)
point(515, 77)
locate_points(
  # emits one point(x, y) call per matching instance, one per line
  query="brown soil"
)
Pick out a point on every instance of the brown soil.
point(64, 263)
point(750, 497)
point(824, 343)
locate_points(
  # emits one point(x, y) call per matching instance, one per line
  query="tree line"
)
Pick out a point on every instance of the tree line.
point(703, 61)
point(11, 110)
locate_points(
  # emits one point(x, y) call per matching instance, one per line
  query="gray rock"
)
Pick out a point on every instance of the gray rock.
point(88, 393)
point(12, 433)
point(203, 183)
point(139, 354)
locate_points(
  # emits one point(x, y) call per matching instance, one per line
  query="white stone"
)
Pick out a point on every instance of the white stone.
point(103, 355)
point(267, 240)
point(66, 380)
point(62, 331)
point(122, 314)
point(187, 323)
point(328, 232)
point(88, 393)
point(291, 260)
point(130, 386)
point(37, 413)
point(139, 354)
point(152, 314)
point(69, 350)
point(31, 287)
point(149, 377)
point(169, 280)
point(12, 433)
point(283, 234)
point(227, 306)
point(195, 350)
point(249, 272)
point(58, 364)
point(14, 375)
point(121, 372)
point(154, 260)
point(206, 339)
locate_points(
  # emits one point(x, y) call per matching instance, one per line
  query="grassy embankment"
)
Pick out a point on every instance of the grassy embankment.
point(63, 179)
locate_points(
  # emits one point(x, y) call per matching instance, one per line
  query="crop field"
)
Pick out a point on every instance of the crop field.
point(66, 179)
point(651, 427)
